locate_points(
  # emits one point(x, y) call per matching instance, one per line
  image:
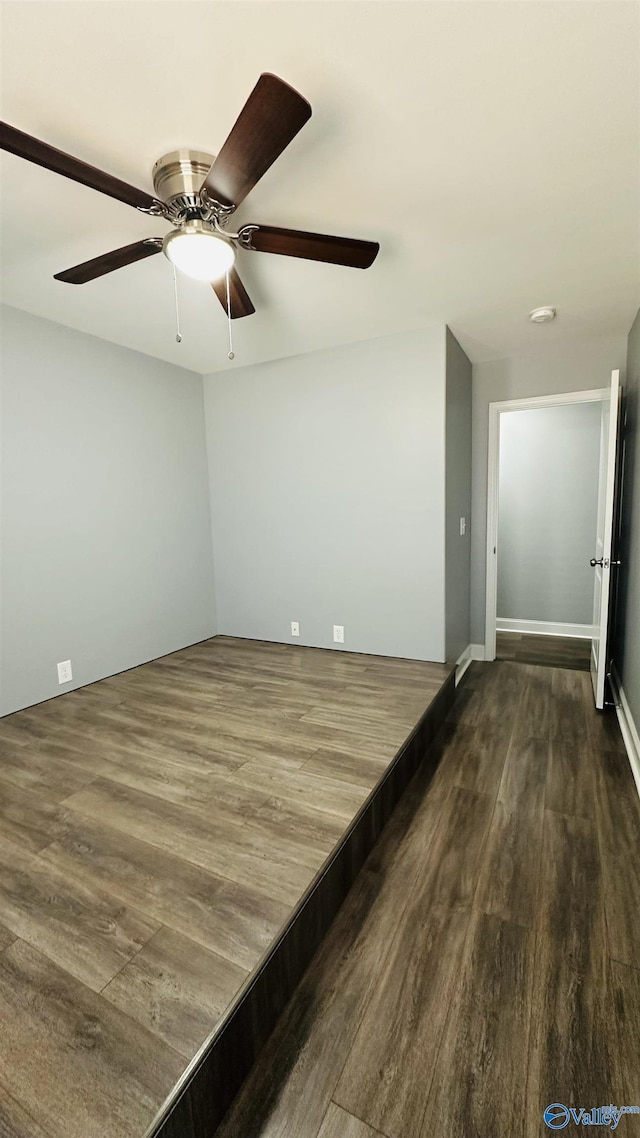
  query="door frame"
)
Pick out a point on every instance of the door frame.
point(596, 395)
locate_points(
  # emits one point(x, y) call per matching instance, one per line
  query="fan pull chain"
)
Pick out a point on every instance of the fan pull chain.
point(175, 293)
point(231, 354)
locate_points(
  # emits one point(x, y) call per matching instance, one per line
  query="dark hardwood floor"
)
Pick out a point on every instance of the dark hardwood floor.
point(550, 651)
point(157, 829)
point(487, 960)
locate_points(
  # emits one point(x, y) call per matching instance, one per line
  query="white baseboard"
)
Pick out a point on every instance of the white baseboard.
point(462, 663)
point(544, 628)
point(630, 733)
point(472, 652)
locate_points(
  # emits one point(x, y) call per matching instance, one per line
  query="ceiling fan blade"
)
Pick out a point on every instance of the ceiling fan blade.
point(117, 259)
point(313, 246)
point(271, 117)
point(25, 146)
point(240, 303)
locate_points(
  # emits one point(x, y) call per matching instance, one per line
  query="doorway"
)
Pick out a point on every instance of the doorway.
point(544, 458)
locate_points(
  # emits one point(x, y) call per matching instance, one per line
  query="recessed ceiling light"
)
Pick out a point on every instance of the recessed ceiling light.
point(542, 315)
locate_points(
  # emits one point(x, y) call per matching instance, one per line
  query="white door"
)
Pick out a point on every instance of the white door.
point(601, 561)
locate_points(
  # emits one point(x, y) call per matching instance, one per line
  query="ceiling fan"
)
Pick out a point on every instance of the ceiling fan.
point(197, 193)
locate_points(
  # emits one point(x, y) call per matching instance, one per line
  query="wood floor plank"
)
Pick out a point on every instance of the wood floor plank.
point(383, 1081)
point(500, 687)
point(28, 818)
point(572, 1057)
point(328, 795)
point(339, 1124)
point(359, 769)
point(533, 719)
point(175, 783)
point(103, 733)
point(232, 920)
point(618, 816)
point(479, 1081)
point(152, 766)
point(566, 683)
point(97, 750)
point(477, 756)
point(380, 725)
point(568, 720)
point(300, 820)
point(130, 715)
point(14, 1121)
point(509, 876)
point(20, 728)
point(74, 1062)
point(83, 930)
point(570, 779)
point(355, 747)
point(176, 989)
point(29, 769)
point(626, 1002)
point(249, 854)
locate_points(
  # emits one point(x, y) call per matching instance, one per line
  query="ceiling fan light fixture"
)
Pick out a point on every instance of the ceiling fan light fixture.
point(198, 252)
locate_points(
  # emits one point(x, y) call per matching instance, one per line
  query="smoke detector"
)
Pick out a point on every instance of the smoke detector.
point(542, 315)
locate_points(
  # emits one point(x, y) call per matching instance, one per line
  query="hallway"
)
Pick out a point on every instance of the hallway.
point(487, 960)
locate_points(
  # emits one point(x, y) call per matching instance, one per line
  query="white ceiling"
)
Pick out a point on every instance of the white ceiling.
point(491, 147)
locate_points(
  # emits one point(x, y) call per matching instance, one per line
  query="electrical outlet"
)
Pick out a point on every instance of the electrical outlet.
point(65, 675)
point(463, 526)
point(338, 634)
point(295, 628)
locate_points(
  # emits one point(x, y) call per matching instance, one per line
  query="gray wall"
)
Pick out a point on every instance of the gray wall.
point(457, 499)
point(327, 496)
point(582, 367)
point(106, 541)
point(549, 466)
point(627, 639)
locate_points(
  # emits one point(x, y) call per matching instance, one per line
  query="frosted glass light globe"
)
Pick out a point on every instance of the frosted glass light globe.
point(199, 253)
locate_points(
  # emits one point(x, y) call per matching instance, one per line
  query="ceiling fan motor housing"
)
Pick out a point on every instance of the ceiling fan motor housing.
point(178, 176)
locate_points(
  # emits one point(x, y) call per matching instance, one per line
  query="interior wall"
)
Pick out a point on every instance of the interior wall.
point(547, 518)
point(552, 371)
point(327, 496)
point(106, 541)
point(457, 499)
point(627, 633)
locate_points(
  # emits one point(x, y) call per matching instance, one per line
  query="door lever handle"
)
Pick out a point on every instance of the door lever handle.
point(596, 561)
